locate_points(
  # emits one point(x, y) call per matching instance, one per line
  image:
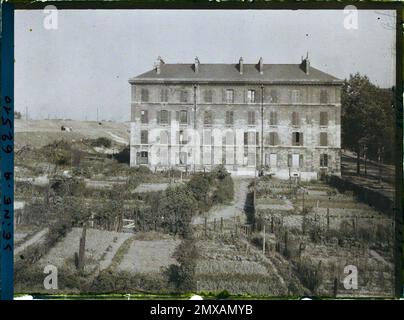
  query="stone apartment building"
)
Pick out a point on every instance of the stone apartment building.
point(283, 118)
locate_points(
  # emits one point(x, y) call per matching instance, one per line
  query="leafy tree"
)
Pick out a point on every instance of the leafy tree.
point(176, 209)
point(367, 118)
point(200, 185)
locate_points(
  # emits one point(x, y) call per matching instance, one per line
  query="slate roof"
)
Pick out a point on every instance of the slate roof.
point(272, 73)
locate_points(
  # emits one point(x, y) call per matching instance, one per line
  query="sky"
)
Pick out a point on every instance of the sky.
point(85, 63)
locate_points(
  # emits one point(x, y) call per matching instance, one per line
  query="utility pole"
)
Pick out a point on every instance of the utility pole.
point(262, 125)
point(194, 138)
point(263, 241)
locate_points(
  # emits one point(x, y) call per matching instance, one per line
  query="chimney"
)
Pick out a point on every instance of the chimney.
point(305, 65)
point(240, 65)
point(261, 66)
point(196, 65)
point(158, 64)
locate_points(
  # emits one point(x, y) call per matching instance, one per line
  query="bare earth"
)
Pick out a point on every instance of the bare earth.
point(149, 256)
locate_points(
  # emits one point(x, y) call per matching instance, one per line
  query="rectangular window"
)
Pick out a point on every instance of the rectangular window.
point(142, 157)
point(296, 96)
point(229, 117)
point(207, 157)
point(183, 158)
point(144, 137)
point(164, 95)
point(229, 95)
point(272, 139)
point(164, 117)
point(295, 119)
point(184, 96)
point(323, 139)
point(208, 96)
point(251, 118)
point(251, 96)
point(133, 91)
point(295, 160)
point(144, 116)
point(273, 160)
point(207, 137)
point(144, 95)
point(251, 138)
point(323, 96)
point(208, 118)
point(251, 159)
point(183, 117)
point(182, 137)
point(323, 118)
point(324, 160)
point(273, 118)
point(273, 96)
point(297, 138)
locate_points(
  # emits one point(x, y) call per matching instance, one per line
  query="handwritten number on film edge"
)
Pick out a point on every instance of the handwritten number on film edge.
point(8, 148)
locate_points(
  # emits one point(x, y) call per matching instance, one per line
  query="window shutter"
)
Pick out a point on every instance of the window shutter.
point(133, 93)
point(276, 142)
point(177, 116)
point(158, 116)
point(224, 95)
point(257, 138)
point(246, 138)
point(289, 160)
point(188, 117)
point(169, 117)
point(301, 138)
point(301, 161)
point(323, 118)
point(185, 136)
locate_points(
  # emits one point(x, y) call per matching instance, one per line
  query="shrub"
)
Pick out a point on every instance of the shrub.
point(177, 206)
point(225, 191)
point(309, 275)
point(123, 281)
point(124, 156)
point(101, 142)
point(182, 276)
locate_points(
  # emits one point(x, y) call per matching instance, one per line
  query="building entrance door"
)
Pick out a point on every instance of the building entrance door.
point(295, 160)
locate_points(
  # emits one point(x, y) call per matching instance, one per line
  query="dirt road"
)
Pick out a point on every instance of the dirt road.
point(34, 239)
point(236, 208)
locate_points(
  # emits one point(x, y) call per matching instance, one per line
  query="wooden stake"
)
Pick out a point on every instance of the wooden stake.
point(206, 224)
point(263, 242)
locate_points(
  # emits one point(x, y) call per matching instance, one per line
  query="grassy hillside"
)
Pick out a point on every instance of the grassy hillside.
point(38, 133)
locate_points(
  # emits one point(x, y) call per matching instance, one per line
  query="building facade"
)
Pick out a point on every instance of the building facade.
point(282, 118)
